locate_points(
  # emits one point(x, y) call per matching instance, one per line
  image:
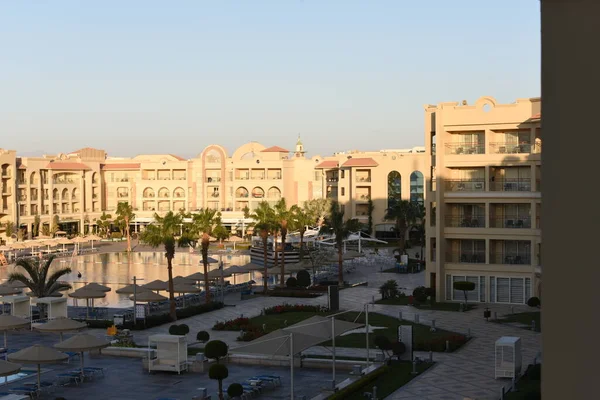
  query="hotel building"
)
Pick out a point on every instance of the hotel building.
point(483, 199)
point(78, 187)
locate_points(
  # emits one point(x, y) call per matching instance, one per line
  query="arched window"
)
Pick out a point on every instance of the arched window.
point(55, 194)
point(75, 194)
point(32, 178)
point(394, 188)
point(65, 194)
point(258, 193)
point(274, 193)
point(163, 192)
point(241, 192)
point(94, 178)
point(179, 192)
point(148, 192)
point(417, 188)
point(213, 156)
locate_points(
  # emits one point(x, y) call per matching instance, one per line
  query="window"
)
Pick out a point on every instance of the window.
point(417, 188)
point(343, 191)
point(482, 289)
point(448, 287)
point(394, 188)
point(343, 174)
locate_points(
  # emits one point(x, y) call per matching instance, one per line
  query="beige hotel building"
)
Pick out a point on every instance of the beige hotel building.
point(483, 199)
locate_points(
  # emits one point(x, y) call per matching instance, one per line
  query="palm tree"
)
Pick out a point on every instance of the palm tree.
point(203, 222)
point(264, 217)
point(405, 215)
point(341, 228)
point(301, 218)
point(162, 232)
point(124, 217)
point(38, 279)
point(282, 215)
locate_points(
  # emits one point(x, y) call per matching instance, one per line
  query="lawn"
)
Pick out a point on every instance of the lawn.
point(524, 318)
point(398, 375)
point(403, 301)
point(424, 339)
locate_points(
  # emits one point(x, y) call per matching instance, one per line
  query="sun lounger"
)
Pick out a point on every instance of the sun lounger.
point(94, 370)
point(24, 390)
point(68, 377)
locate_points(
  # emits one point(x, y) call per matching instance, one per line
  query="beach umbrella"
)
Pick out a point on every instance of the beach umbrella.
point(235, 239)
point(6, 290)
point(93, 238)
point(180, 280)
point(210, 260)
point(64, 241)
point(78, 240)
point(253, 267)
point(156, 285)
point(87, 294)
point(216, 273)
point(15, 284)
point(148, 296)
point(10, 322)
point(80, 343)
point(18, 246)
point(97, 287)
point(196, 276)
point(186, 289)
point(60, 325)
point(8, 368)
point(38, 355)
point(234, 270)
point(129, 289)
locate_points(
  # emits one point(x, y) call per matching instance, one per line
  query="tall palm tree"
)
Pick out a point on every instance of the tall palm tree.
point(264, 223)
point(405, 215)
point(301, 218)
point(124, 217)
point(37, 277)
point(341, 228)
point(163, 232)
point(282, 215)
point(203, 222)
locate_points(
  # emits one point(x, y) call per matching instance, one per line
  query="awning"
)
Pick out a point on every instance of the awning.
point(277, 344)
point(321, 327)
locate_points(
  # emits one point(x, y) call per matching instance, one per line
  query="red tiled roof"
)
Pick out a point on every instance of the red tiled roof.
point(121, 166)
point(328, 164)
point(67, 165)
point(177, 157)
point(360, 162)
point(275, 149)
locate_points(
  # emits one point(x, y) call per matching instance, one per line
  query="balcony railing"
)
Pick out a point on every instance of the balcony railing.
point(258, 177)
point(512, 148)
point(23, 213)
point(363, 179)
point(119, 180)
point(243, 177)
point(465, 148)
point(45, 212)
point(22, 198)
point(462, 221)
point(62, 181)
point(363, 197)
point(274, 177)
point(6, 190)
point(466, 257)
point(22, 182)
point(513, 221)
point(465, 185)
point(6, 174)
point(510, 258)
point(511, 185)
point(215, 194)
point(332, 180)
point(210, 179)
point(123, 194)
point(332, 195)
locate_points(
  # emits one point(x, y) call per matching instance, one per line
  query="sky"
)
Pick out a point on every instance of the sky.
point(146, 77)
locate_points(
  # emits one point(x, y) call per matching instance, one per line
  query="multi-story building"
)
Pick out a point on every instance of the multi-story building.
point(483, 196)
point(78, 187)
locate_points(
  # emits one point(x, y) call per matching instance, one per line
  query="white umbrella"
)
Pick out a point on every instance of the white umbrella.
point(38, 354)
point(80, 343)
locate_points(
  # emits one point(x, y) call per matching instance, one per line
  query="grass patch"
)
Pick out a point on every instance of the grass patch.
point(397, 375)
point(524, 318)
point(424, 339)
point(403, 301)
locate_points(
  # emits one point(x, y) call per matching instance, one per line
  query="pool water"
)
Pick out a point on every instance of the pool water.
point(24, 373)
point(116, 270)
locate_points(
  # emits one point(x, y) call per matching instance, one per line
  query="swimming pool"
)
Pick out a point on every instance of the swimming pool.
point(116, 270)
point(24, 373)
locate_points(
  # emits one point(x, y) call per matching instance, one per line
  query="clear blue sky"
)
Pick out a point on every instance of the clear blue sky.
point(174, 76)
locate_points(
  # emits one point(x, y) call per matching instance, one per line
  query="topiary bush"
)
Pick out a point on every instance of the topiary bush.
point(421, 294)
point(235, 390)
point(383, 343)
point(203, 336)
point(534, 302)
point(216, 349)
point(174, 330)
point(291, 282)
point(184, 329)
point(465, 287)
point(218, 372)
point(303, 278)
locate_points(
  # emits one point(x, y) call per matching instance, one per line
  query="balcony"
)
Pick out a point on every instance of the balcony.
point(113, 180)
point(63, 181)
point(21, 181)
point(363, 197)
point(511, 185)
point(510, 258)
point(465, 185)
point(512, 148)
point(258, 177)
point(363, 179)
point(462, 221)
point(332, 195)
point(332, 180)
point(211, 179)
point(514, 221)
point(122, 194)
point(465, 148)
point(215, 195)
point(466, 257)
point(23, 213)
point(6, 174)
point(45, 212)
point(22, 198)
point(274, 177)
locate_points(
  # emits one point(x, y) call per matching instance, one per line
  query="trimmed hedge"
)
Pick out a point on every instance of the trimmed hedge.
point(359, 384)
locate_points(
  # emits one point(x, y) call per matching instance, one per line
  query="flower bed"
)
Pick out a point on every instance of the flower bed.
point(232, 325)
point(280, 309)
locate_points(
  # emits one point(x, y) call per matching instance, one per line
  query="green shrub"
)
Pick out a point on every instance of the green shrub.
point(116, 235)
point(203, 336)
point(216, 349)
point(303, 278)
point(235, 390)
point(534, 302)
point(291, 282)
point(359, 384)
point(174, 330)
point(184, 329)
point(421, 294)
point(383, 343)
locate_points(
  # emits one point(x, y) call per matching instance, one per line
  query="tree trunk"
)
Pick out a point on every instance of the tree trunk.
point(283, 260)
point(340, 266)
point(266, 259)
point(301, 244)
point(220, 389)
point(172, 306)
point(206, 284)
point(128, 234)
point(276, 255)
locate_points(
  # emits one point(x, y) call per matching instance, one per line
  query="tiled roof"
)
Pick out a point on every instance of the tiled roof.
point(121, 166)
point(67, 165)
point(275, 149)
point(328, 164)
point(85, 148)
point(360, 162)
